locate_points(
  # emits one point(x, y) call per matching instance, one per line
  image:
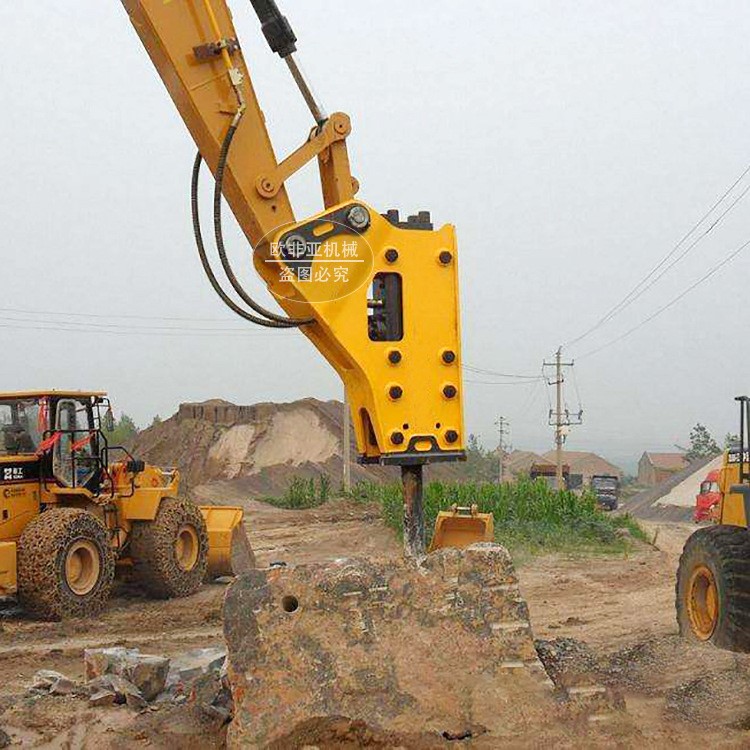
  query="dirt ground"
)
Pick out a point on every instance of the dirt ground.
point(618, 610)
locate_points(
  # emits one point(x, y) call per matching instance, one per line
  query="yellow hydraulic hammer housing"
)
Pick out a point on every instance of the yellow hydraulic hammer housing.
point(377, 296)
point(461, 526)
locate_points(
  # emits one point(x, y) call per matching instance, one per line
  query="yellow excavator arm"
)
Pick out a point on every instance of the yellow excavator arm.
point(376, 295)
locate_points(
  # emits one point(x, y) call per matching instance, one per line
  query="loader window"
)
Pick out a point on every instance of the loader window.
point(20, 429)
point(74, 462)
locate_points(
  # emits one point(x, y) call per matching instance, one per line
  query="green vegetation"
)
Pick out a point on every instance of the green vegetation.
point(530, 517)
point(702, 444)
point(481, 465)
point(123, 433)
point(303, 493)
point(731, 440)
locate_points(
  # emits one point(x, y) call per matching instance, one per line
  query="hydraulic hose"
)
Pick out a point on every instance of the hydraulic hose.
point(207, 266)
point(219, 234)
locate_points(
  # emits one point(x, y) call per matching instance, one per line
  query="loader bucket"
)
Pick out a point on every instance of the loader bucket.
point(460, 527)
point(229, 550)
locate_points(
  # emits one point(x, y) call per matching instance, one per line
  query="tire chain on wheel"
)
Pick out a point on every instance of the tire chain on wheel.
point(152, 548)
point(42, 589)
point(728, 548)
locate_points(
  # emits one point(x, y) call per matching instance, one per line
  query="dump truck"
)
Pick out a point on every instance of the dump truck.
point(606, 487)
point(548, 472)
point(76, 510)
point(713, 577)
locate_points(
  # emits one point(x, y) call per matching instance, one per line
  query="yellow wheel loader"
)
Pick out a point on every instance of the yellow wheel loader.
point(75, 510)
point(713, 578)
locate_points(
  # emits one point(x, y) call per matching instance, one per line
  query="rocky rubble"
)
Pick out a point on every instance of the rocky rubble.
point(566, 660)
point(147, 673)
point(120, 676)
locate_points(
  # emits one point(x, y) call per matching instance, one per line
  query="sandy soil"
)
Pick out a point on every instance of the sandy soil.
point(621, 607)
point(607, 601)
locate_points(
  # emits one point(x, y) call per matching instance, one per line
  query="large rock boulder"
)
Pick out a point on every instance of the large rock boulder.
point(442, 647)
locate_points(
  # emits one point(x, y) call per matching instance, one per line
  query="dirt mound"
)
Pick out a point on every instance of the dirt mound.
point(674, 498)
point(660, 664)
point(717, 699)
point(339, 733)
point(252, 450)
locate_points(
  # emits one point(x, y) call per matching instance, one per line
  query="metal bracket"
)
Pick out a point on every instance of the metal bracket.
point(211, 50)
point(335, 129)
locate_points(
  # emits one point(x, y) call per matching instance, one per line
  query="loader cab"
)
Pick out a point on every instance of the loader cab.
point(75, 454)
point(54, 436)
point(21, 426)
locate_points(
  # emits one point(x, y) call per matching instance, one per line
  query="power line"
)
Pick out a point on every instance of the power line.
point(112, 316)
point(530, 399)
point(575, 386)
point(495, 373)
point(120, 326)
point(644, 284)
point(682, 254)
point(488, 382)
point(138, 332)
point(672, 302)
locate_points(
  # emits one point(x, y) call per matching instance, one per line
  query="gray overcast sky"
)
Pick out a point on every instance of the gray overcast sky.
point(573, 144)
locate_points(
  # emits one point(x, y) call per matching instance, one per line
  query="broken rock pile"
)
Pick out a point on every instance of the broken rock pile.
point(121, 676)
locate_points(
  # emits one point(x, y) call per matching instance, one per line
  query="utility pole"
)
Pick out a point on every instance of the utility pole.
point(347, 447)
point(560, 418)
point(502, 427)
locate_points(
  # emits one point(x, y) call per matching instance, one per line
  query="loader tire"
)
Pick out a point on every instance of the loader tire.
point(66, 565)
point(170, 553)
point(713, 587)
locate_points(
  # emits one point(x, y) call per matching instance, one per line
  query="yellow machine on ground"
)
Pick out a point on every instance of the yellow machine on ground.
point(713, 578)
point(376, 295)
point(74, 509)
point(460, 526)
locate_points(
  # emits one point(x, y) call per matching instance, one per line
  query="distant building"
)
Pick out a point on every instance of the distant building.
point(584, 465)
point(654, 468)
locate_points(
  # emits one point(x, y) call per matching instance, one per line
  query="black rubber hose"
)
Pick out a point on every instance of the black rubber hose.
point(204, 258)
point(219, 234)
